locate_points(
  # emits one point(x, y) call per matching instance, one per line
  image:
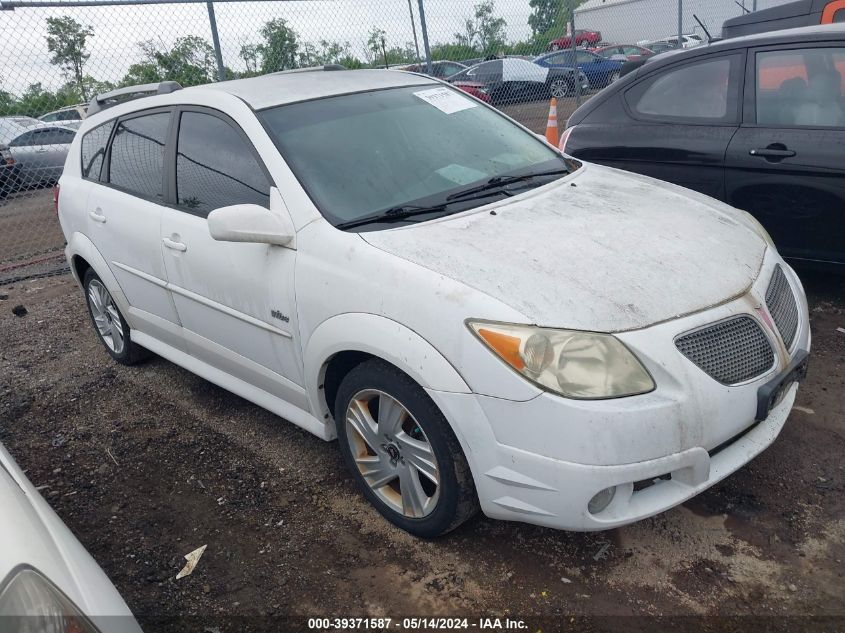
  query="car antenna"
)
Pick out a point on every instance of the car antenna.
point(742, 6)
point(710, 39)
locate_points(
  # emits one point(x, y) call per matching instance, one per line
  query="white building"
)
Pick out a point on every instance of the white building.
point(630, 21)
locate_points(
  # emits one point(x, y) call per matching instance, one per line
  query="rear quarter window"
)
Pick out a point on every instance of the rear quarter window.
point(94, 145)
point(705, 91)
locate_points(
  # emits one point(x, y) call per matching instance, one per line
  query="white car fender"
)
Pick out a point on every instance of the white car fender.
point(381, 337)
point(80, 245)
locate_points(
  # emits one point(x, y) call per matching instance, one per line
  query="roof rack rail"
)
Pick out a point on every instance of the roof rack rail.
point(121, 95)
point(311, 69)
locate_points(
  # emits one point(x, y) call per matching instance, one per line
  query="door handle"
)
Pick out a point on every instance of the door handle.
point(771, 152)
point(176, 246)
point(97, 216)
point(41, 150)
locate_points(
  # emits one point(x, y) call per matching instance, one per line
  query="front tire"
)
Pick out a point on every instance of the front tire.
point(109, 324)
point(402, 452)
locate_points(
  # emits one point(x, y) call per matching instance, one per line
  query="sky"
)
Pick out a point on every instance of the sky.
point(24, 58)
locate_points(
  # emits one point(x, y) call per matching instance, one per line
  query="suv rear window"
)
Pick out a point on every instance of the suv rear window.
point(94, 150)
point(705, 91)
point(137, 155)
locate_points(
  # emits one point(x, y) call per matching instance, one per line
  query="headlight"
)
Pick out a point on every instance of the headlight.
point(30, 603)
point(575, 364)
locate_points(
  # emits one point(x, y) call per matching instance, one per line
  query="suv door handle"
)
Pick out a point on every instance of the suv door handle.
point(41, 150)
point(97, 216)
point(176, 246)
point(772, 152)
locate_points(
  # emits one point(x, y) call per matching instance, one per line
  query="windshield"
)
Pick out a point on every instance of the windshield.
point(361, 154)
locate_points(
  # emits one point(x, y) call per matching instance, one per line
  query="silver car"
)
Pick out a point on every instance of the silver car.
point(34, 152)
point(48, 582)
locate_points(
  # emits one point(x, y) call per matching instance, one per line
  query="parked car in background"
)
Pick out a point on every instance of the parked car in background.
point(661, 47)
point(34, 154)
point(756, 121)
point(48, 582)
point(623, 52)
point(512, 80)
point(442, 69)
point(690, 40)
point(478, 319)
point(785, 16)
point(70, 113)
point(600, 72)
point(10, 128)
point(477, 90)
point(583, 37)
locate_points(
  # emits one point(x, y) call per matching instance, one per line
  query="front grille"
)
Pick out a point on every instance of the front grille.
point(781, 304)
point(730, 351)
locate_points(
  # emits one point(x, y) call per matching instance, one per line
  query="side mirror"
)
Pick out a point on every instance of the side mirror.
point(250, 223)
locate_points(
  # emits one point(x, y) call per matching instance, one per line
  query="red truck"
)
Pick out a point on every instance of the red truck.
point(583, 37)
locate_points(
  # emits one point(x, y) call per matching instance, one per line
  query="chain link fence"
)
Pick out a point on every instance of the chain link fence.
point(58, 54)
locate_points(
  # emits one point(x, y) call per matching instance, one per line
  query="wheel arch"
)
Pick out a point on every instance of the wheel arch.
point(82, 255)
point(331, 353)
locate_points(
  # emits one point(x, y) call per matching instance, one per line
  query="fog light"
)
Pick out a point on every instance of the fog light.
point(601, 500)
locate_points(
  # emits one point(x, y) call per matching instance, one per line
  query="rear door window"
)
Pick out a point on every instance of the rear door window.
point(705, 91)
point(801, 87)
point(94, 145)
point(137, 155)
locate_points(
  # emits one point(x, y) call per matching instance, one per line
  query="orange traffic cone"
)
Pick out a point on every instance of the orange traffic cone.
point(551, 126)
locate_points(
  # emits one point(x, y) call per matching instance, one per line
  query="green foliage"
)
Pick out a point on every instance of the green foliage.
point(452, 52)
point(545, 14)
point(66, 39)
point(484, 32)
point(280, 48)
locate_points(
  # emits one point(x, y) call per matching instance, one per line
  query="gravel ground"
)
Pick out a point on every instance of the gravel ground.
point(147, 463)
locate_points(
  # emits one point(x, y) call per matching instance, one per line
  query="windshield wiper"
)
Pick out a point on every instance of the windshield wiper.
point(393, 214)
point(502, 181)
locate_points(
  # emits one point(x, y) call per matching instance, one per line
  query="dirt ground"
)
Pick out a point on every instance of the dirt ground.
point(148, 463)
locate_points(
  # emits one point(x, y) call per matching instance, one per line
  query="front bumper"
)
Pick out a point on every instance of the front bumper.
point(517, 485)
point(542, 460)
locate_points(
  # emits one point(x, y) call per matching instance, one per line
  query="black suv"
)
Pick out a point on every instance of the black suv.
point(756, 121)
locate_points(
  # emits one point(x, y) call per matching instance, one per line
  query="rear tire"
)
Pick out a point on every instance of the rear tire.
point(111, 328)
point(402, 452)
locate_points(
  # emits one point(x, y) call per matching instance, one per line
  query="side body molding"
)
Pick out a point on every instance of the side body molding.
point(381, 337)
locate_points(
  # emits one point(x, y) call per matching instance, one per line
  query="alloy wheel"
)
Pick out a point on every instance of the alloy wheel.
point(106, 317)
point(392, 453)
point(559, 88)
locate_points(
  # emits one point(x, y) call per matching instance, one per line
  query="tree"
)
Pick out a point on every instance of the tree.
point(66, 39)
point(251, 54)
point(373, 52)
point(280, 48)
point(544, 15)
point(484, 32)
point(190, 62)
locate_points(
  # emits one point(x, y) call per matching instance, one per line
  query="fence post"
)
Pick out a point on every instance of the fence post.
point(680, 23)
point(215, 39)
point(414, 29)
point(573, 42)
point(424, 29)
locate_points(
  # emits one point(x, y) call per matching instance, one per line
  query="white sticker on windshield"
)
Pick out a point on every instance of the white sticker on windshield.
point(446, 100)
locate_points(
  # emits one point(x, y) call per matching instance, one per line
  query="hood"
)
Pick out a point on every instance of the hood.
point(598, 250)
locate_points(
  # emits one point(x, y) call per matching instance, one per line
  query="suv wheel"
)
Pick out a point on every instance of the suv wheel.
point(111, 327)
point(402, 451)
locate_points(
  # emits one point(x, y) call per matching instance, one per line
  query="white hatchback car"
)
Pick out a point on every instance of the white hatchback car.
point(479, 319)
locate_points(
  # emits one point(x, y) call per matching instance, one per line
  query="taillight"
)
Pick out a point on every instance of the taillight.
point(56, 197)
point(6, 156)
point(564, 137)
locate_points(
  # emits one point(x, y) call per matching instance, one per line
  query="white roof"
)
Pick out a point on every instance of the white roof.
point(288, 87)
